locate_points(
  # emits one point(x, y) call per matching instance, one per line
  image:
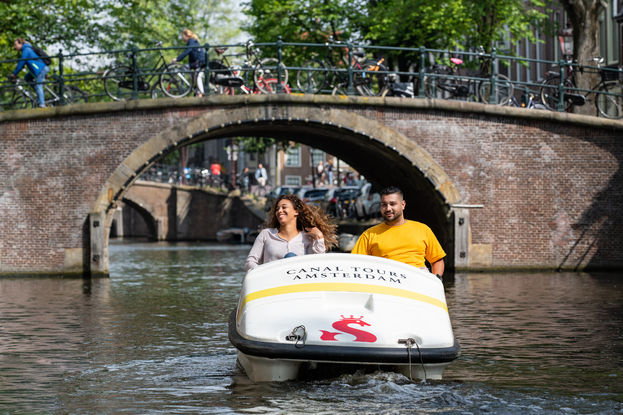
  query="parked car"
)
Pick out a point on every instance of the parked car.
point(337, 201)
point(279, 191)
point(368, 203)
point(313, 196)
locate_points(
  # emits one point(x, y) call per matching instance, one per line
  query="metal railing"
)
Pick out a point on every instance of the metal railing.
point(72, 76)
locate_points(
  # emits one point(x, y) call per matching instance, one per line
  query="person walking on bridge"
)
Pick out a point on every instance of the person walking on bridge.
point(400, 239)
point(196, 55)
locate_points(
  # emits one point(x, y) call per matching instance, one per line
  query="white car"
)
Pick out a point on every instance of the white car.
point(368, 203)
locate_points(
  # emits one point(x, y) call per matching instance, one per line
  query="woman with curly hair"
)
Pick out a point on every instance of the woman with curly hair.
point(292, 228)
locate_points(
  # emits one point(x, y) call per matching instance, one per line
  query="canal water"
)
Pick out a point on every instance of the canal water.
point(152, 339)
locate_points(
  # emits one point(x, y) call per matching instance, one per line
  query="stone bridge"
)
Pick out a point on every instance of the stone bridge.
point(184, 213)
point(503, 188)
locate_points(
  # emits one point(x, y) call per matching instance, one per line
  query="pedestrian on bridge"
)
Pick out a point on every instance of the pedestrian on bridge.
point(196, 54)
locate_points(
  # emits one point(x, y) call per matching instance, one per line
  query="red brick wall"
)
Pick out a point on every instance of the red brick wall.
point(551, 191)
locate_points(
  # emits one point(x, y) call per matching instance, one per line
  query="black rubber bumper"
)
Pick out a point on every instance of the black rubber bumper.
point(380, 355)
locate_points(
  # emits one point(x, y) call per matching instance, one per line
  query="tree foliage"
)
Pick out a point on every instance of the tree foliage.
point(88, 25)
point(66, 24)
point(259, 145)
point(438, 24)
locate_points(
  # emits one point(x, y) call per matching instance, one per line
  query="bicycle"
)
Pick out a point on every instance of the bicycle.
point(14, 97)
point(609, 106)
point(444, 82)
point(532, 103)
point(367, 80)
point(118, 81)
point(265, 71)
point(18, 97)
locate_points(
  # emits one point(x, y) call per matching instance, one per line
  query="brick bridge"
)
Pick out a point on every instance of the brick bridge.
point(178, 213)
point(503, 188)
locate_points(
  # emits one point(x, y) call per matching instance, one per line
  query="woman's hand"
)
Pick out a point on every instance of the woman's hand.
point(174, 60)
point(314, 233)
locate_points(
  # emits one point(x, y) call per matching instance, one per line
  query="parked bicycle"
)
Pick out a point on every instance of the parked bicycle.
point(226, 78)
point(529, 101)
point(161, 79)
point(444, 82)
point(369, 77)
point(265, 70)
point(608, 91)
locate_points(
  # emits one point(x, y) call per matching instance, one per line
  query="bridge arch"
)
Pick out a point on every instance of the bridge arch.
point(147, 214)
point(383, 155)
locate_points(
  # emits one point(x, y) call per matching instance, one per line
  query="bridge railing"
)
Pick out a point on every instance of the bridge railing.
point(78, 78)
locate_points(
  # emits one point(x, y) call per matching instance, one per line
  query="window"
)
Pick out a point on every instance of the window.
point(529, 56)
point(539, 56)
point(602, 36)
point(518, 65)
point(557, 23)
point(293, 180)
point(613, 35)
point(318, 155)
point(293, 157)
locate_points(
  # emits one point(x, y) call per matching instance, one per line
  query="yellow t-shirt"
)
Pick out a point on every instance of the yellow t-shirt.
point(409, 243)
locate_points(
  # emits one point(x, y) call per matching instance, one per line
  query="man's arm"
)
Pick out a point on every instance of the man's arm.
point(361, 246)
point(438, 267)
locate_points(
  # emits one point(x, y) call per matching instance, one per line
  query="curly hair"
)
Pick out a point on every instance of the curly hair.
point(308, 217)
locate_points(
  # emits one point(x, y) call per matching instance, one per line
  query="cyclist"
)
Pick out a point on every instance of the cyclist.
point(196, 55)
point(37, 69)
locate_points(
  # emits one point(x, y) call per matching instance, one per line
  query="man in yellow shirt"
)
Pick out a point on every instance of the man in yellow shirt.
point(400, 239)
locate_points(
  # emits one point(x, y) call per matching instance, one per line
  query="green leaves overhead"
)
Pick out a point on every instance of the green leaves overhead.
point(440, 24)
point(83, 25)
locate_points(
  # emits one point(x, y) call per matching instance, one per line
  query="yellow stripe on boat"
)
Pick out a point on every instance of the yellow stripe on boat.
point(357, 288)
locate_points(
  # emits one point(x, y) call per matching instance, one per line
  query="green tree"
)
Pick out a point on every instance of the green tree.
point(260, 145)
point(303, 22)
point(66, 24)
point(83, 25)
point(437, 24)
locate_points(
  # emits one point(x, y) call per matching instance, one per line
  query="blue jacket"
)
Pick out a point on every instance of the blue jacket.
point(34, 66)
point(194, 54)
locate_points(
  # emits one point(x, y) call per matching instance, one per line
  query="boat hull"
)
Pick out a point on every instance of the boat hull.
point(269, 362)
point(341, 309)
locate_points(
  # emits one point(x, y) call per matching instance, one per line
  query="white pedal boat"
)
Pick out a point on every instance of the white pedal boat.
point(312, 310)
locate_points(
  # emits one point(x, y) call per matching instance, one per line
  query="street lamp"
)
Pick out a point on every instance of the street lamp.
point(565, 38)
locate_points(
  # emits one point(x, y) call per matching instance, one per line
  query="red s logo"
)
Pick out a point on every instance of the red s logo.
point(343, 327)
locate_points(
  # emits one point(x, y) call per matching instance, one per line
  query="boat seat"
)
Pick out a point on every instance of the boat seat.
point(456, 61)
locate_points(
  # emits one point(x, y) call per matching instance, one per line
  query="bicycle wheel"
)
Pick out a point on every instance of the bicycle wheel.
point(270, 86)
point(549, 93)
point(177, 81)
point(76, 95)
point(14, 99)
point(610, 106)
point(118, 82)
point(313, 78)
point(436, 83)
point(503, 90)
point(51, 98)
point(370, 82)
point(156, 92)
point(340, 89)
point(266, 69)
